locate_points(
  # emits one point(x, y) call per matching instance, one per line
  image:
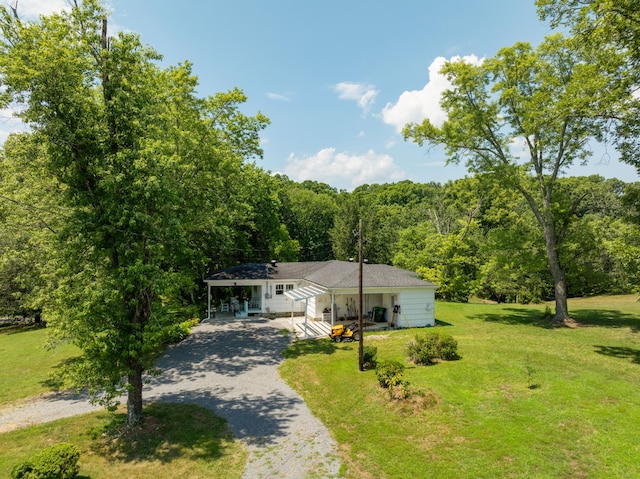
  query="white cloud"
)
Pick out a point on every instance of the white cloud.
point(35, 8)
point(416, 105)
point(335, 168)
point(278, 96)
point(364, 95)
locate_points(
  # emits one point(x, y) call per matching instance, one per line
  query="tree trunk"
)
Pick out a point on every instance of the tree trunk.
point(134, 397)
point(559, 281)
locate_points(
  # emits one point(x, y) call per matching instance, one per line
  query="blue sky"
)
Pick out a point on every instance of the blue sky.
point(337, 79)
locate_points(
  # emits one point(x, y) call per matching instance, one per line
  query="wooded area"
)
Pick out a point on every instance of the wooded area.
point(128, 187)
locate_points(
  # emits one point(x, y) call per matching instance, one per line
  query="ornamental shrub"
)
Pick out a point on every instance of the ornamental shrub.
point(448, 348)
point(426, 349)
point(389, 374)
point(56, 462)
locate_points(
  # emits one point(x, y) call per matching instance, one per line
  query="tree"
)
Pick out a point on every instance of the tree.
point(541, 98)
point(443, 249)
point(31, 214)
point(136, 152)
point(308, 210)
point(610, 31)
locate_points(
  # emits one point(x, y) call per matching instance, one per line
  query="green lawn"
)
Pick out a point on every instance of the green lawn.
point(525, 399)
point(177, 441)
point(26, 363)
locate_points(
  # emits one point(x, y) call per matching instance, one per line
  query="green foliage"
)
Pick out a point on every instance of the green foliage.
point(390, 375)
point(308, 210)
point(609, 31)
point(56, 462)
point(177, 332)
point(369, 356)
point(426, 349)
point(125, 139)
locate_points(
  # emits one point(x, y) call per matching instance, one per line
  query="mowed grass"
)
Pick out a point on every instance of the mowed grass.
point(26, 363)
point(526, 400)
point(176, 441)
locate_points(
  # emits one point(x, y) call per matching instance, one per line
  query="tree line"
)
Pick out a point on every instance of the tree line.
point(128, 187)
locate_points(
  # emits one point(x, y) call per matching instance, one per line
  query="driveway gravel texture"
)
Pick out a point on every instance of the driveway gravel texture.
point(231, 368)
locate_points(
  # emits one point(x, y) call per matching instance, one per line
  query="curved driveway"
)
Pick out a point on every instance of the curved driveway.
point(231, 367)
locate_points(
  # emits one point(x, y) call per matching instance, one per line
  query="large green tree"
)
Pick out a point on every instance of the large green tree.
point(609, 30)
point(142, 160)
point(540, 98)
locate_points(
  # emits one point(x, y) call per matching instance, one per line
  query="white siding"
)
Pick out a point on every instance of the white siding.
point(279, 303)
point(416, 308)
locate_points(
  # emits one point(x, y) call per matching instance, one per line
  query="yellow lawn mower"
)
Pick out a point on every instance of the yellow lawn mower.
point(340, 332)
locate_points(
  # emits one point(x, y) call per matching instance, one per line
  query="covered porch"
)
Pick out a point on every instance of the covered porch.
point(239, 300)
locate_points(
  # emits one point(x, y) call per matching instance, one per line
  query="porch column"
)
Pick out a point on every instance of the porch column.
point(333, 309)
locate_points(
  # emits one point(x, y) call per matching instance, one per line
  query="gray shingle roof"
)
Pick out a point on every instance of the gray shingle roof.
point(329, 274)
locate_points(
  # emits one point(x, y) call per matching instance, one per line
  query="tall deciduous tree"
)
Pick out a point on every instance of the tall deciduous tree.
point(542, 99)
point(139, 156)
point(609, 29)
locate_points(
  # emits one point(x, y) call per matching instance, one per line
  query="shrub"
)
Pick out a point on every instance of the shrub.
point(426, 349)
point(422, 349)
point(369, 354)
point(389, 374)
point(448, 348)
point(179, 331)
point(56, 462)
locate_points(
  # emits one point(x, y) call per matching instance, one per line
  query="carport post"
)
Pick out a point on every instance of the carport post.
point(208, 301)
point(306, 305)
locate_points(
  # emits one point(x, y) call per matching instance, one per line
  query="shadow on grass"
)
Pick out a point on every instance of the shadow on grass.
point(169, 431)
point(619, 352)
point(582, 318)
point(442, 323)
point(309, 346)
point(606, 319)
point(19, 328)
point(515, 316)
point(55, 378)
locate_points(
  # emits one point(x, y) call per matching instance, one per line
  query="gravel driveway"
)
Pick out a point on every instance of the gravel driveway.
point(230, 367)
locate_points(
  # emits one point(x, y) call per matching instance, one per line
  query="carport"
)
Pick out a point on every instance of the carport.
point(304, 293)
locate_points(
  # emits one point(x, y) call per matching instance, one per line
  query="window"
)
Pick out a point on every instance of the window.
point(280, 288)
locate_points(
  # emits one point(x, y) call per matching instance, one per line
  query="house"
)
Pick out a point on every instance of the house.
point(323, 290)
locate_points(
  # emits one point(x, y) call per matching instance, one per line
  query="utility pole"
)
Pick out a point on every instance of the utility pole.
point(360, 330)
